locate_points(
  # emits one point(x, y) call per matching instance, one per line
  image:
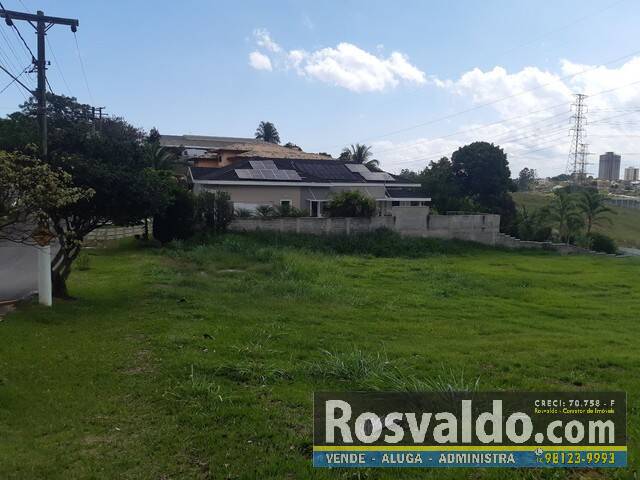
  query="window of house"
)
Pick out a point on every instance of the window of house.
point(285, 203)
point(395, 203)
point(415, 204)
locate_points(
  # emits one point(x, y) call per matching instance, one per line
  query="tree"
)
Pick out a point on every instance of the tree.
point(176, 221)
point(591, 204)
point(268, 132)
point(409, 175)
point(359, 153)
point(562, 212)
point(526, 179)
point(29, 189)
point(440, 184)
point(109, 161)
point(214, 210)
point(482, 172)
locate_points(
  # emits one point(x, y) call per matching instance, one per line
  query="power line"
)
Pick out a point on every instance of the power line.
point(84, 73)
point(16, 79)
point(502, 99)
point(26, 45)
point(435, 157)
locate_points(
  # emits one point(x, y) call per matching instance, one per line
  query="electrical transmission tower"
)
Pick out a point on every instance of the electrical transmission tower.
point(577, 164)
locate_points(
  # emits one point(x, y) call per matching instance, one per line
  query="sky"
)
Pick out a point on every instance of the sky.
point(414, 79)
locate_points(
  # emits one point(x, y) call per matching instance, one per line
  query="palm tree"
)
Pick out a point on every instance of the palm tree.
point(591, 204)
point(159, 157)
point(268, 132)
point(564, 213)
point(359, 153)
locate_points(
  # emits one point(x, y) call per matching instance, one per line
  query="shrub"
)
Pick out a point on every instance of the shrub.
point(176, 221)
point(351, 204)
point(602, 243)
point(265, 211)
point(214, 210)
point(243, 213)
point(287, 210)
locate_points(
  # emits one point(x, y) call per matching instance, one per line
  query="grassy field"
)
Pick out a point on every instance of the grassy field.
point(625, 229)
point(201, 362)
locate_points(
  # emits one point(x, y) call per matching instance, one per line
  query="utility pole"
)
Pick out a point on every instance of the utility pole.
point(41, 23)
point(577, 155)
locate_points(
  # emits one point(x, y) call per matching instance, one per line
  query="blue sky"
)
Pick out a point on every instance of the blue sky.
point(346, 72)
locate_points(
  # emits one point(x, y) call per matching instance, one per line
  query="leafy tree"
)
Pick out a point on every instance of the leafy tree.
point(359, 153)
point(440, 183)
point(110, 162)
point(268, 132)
point(154, 136)
point(350, 204)
point(214, 210)
point(591, 204)
point(29, 189)
point(177, 219)
point(526, 179)
point(410, 175)
point(482, 172)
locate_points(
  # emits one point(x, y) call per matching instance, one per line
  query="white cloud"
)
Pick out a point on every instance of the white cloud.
point(264, 40)
point(259, 61)
point(537, 140)
point(346, 65)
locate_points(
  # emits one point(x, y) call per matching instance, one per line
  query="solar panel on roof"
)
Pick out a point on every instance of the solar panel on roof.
point(244, 173)
point(377, 176)
point(357, 167)
point(267, 174)
point(263, 165)
point(292, 175)
point(325, 172)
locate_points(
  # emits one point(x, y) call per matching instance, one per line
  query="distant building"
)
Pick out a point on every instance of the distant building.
point(609, 167)
point(631, 174)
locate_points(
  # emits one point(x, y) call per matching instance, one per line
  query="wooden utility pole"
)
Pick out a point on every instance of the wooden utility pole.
point(41, 23)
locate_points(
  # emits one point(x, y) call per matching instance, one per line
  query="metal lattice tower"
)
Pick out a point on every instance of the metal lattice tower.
point(577, 163)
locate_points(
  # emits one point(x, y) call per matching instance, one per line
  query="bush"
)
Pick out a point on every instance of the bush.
point(177, 220)
point(214, 210)
point(243, 213)
point(265, 211)
point(351, 204)
point(287, 210)
point(602, 243)
point(379, 243)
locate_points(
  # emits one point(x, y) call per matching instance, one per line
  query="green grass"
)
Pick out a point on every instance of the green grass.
point(201, 362)
point(625, 229)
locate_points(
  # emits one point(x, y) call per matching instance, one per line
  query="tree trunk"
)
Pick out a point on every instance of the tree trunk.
point(146, 229)
point(61, 270)
point(59, 286)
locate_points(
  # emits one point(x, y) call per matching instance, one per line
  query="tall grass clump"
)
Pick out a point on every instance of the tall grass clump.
point(354, 366)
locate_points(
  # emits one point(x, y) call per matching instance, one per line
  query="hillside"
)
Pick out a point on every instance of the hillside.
point(625, 229)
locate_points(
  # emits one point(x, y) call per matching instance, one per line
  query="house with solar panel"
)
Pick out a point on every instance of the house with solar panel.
point(304, 183)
